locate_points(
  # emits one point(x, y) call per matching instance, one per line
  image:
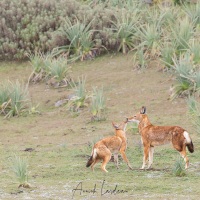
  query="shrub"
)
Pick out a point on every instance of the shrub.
point(34, 25)
point(28, 25)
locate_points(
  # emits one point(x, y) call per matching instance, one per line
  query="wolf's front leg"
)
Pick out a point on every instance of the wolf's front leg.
point(145, 157)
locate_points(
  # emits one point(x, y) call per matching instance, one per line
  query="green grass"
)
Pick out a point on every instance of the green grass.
point(179, 169)
point(98, 104)
point(125, 29)
point(19, 166)
point(79, 35)
point(61, 144)
point(14, 98)
point(63, 168)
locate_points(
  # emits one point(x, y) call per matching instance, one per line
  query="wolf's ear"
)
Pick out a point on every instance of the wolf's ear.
point(143, 110)
point(115, 125)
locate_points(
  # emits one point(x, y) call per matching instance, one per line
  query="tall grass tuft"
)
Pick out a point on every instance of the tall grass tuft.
point(124, 31)
point(50, 69)
point(193, 12)
point(58, 70)
point(195, 51)
point(79, 34)
point(79, 96)
point(140, 58)
point(179, 169)
point(39, 63)
point(98, 105)
point(193, 106)
point(185, 84)
point(167, 53)
point(36, 61)
point(19, 166)
point(182, 33)
point(14, 98)
point(149, 35)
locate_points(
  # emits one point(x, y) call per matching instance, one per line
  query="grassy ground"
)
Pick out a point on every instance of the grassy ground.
point(62, 142)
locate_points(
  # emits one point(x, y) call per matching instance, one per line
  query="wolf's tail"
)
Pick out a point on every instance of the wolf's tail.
point(189, 143)
point(190, 147)
point(92, 157)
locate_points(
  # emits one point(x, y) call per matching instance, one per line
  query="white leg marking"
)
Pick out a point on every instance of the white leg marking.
point(116, 160)
point(151, 151)
point(141, 141)
point(144, 163)
point(186, 163)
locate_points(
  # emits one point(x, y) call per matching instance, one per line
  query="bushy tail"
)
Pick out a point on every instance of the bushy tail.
point(92, 157)
point(189, 143)
point(190, 147)
point(90, 161)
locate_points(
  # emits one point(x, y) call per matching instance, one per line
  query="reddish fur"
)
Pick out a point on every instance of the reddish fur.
point(157, 135)
point(105, 147)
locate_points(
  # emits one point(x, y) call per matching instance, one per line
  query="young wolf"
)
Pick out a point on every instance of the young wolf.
point(103, 149)
point(157, 135)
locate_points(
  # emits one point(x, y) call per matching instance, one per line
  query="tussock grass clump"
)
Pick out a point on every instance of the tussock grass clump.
point(39, 63)
point(124, 31)
point(79, 34)
point(187, 76)
point(54, 71)
point(19, 166)
point(182, 33)
point(140, 58)
point(149, 35)
point(193, 11)
point(14, 98)
point(58, 72)
point(98, 105)
point(194, 50)
point(79, 95)
point(167, 53)
point(179, 169)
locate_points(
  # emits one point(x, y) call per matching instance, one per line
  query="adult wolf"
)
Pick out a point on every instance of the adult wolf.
point(158, 135)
